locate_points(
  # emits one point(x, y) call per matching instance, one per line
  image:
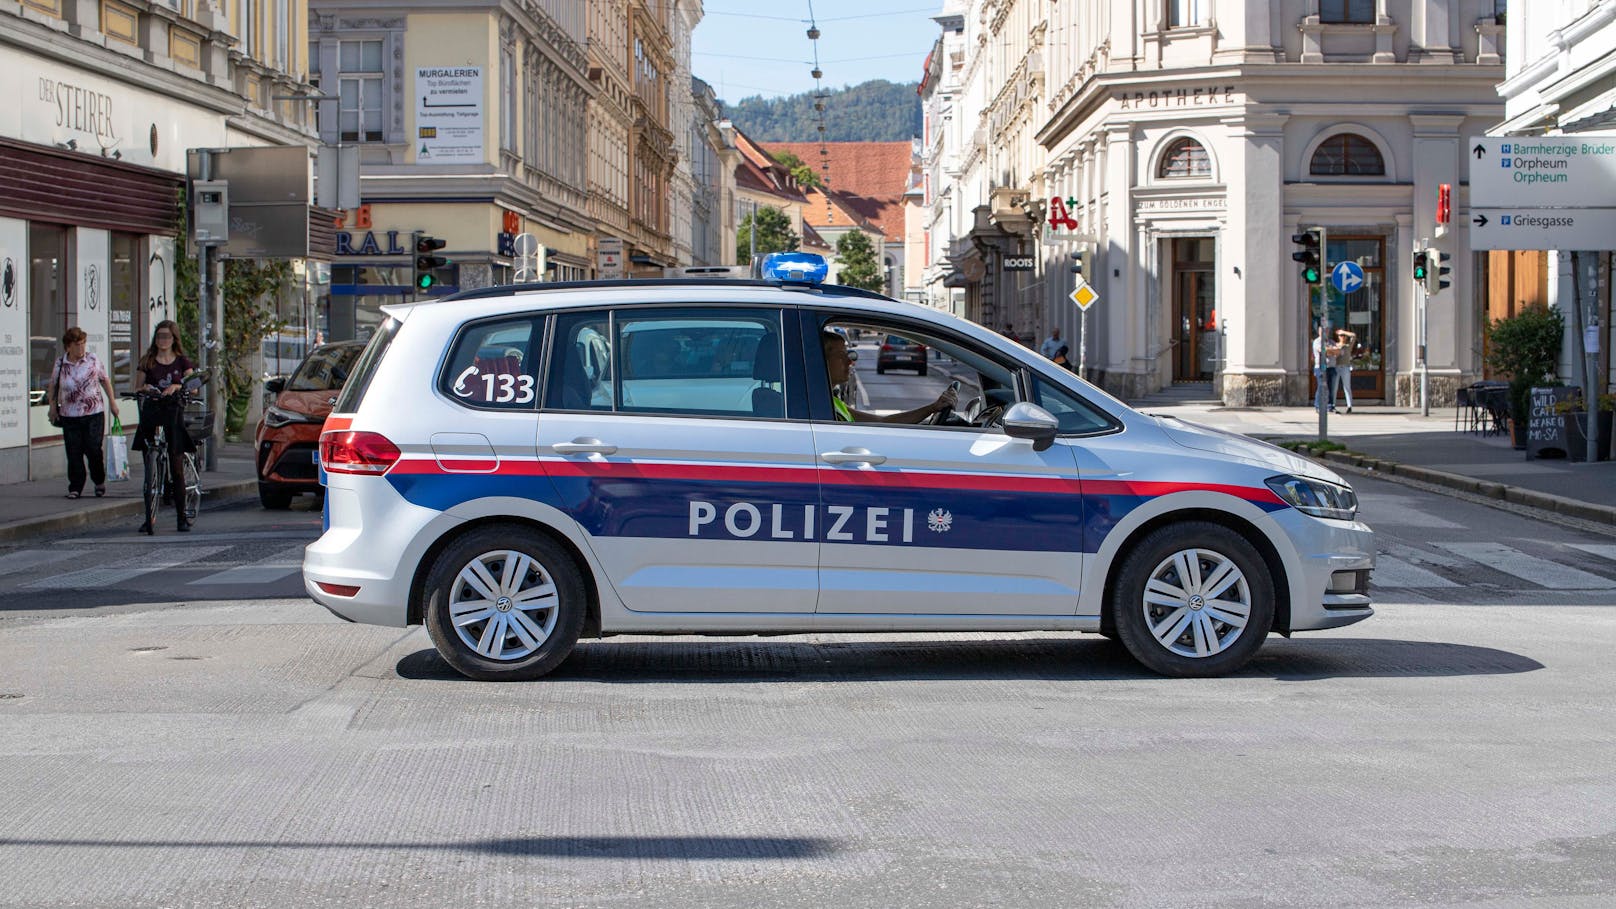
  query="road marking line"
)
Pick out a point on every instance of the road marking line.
point(1393, 572)
point(1603, 550)
point(264, 571)
point(1541, 572)
point(13, 562)
point(128, 569)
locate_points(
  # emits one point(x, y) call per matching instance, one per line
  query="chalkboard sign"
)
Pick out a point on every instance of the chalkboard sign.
point(1545, 428)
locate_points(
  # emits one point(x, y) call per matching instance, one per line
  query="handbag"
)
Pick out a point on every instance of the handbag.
point(55, 414)
point(117, 453)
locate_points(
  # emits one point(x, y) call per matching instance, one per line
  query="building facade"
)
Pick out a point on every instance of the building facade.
point(103, 101)
point(470, 123)
point(1561, 81)
point(1183, 150)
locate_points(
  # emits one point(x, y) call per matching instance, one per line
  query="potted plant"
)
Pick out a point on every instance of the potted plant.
point(1526, 347)
point(1576, 422)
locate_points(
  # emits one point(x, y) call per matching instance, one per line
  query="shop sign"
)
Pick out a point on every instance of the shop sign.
point(14, 346)
point(448, 114)
point(1159, 99)
point(609, 258)
point(1018, 263)
point(368, 245)
point(1197, 203)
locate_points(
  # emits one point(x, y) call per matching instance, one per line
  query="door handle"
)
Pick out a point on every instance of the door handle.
point(853, 456)
point(585, 446)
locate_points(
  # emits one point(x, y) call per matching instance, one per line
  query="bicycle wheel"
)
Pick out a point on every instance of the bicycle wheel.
point(193, 488)
point(156, 477)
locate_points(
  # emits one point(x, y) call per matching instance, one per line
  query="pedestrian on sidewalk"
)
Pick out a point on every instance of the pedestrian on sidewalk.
point(1052, 344)
point(1346, 344)
point(79, 407)
point(1325, 352)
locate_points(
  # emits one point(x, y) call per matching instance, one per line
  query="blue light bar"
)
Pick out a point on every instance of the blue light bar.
point(807, 268)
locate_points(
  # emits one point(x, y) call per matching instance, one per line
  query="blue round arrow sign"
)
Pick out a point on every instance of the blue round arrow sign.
point(1347, 277)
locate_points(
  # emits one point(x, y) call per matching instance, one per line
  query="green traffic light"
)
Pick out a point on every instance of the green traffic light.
point(424, 282)
point(1310, 275)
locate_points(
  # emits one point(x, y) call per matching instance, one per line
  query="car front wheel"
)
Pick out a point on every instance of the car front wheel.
point(504, 604)
point(1193, 599)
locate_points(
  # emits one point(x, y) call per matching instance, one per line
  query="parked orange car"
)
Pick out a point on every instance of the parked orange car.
point(289, 434)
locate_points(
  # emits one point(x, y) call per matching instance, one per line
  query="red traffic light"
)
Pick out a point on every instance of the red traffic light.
point(1444, 203)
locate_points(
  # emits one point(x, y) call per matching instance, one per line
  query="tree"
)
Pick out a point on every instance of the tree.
point(799, 169)
point(774, 234)
point(858, 266)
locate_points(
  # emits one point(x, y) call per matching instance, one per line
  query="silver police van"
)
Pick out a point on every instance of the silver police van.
point(520, 467)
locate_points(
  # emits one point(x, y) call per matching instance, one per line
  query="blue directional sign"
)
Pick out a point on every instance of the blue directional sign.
point(1347, 277)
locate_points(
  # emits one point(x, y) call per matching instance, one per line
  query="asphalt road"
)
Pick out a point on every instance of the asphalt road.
point(199, 734)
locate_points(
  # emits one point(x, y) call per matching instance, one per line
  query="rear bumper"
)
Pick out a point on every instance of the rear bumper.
point(380, 560)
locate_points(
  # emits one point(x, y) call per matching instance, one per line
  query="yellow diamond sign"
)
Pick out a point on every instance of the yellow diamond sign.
point(1083, 295)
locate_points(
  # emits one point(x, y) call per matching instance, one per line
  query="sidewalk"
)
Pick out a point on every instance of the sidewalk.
point(40, 507)
point(1430, 450)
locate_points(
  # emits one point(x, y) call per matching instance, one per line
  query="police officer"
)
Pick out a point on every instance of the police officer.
point(837, 363)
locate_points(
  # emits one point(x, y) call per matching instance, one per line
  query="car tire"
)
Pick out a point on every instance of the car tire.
point(880, 370)
point(1194, 629)
point(274, 499)
point(922, 370)
point(525, 643)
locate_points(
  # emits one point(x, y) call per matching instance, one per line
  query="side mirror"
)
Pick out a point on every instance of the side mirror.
point(275, 385)
point(852, 356)
point(1029, 421)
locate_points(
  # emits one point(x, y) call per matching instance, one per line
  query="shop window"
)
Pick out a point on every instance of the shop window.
point(123, 329)
point(47, 304)
point(1350, 12)
point(1185, 158)
point(359, 84)
point(1347, 155)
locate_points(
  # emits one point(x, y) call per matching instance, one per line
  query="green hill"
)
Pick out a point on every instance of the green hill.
point(874, 111)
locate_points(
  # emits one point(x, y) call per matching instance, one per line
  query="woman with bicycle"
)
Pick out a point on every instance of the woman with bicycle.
point(161, 381)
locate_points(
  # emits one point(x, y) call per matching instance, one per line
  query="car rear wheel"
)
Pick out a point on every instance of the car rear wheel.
point(1192, 600)
point(274, 499)
point(922, 370)
point(504, 604)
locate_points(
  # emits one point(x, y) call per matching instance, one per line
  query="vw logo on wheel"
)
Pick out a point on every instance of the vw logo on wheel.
point(1197, 601)
point(503, 604)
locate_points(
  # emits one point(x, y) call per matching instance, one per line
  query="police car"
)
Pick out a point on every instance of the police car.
point(525, 466)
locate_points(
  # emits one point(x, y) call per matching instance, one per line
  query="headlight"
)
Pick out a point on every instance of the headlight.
point(1316, 497)
point(275, 418)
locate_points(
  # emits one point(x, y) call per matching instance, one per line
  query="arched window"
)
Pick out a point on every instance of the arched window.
point(1347, 155)
point(1185, 158)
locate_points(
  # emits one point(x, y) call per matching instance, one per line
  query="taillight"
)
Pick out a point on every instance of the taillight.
point(357, 452)
point(886, 348)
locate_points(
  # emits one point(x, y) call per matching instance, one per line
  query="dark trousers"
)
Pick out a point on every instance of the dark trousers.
point(83, 437)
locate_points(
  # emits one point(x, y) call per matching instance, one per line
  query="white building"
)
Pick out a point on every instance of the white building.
point(102, 100)
point(1187, 148)
point(1561, 68)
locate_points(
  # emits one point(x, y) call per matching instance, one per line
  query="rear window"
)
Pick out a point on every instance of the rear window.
point(327, 369)
point(495, 365)
point(353, 391)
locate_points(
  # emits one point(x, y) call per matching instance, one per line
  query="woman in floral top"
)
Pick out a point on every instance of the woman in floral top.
point(78, 405)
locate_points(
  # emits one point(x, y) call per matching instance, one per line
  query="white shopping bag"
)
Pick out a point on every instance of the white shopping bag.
point(117, 453)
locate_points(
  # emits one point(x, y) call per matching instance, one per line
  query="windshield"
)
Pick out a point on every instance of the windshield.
point(326, 369)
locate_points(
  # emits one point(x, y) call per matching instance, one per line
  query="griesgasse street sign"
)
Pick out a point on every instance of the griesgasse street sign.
point(1542, 192)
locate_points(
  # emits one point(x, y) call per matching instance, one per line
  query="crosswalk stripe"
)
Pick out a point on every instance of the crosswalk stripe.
point(1394, 572)
point(146, 563)
point(1603, 550)
point(1541, 572)
point(264, 571)
point(13, 562)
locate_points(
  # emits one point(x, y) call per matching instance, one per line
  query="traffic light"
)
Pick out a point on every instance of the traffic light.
point(1436, 271)
point(1421, 267)
point(426, 262)
point(1311, 255)
point(1083, 262)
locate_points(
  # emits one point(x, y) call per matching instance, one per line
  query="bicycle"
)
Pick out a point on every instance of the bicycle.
point(158, 470)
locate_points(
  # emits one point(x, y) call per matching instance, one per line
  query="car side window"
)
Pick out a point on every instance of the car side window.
point(494, 365)
point(896, 373)
point(717, 362)
point(581, 363)
point(1075, 414)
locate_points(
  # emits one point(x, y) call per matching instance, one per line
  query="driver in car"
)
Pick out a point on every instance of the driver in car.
point(838, 365)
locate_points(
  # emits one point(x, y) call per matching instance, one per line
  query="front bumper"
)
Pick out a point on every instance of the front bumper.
point(1323, 548)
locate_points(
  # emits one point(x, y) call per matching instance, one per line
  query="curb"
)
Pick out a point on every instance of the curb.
point(1531, 498)
point(35, 527)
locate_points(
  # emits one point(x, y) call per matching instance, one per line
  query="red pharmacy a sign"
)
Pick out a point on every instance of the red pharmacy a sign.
point(1060, 213)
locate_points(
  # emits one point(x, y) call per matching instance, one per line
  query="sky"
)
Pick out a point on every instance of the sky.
point(860, 40)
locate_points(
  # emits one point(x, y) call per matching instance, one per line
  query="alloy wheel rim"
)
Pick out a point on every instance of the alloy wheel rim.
point(1197, 603)
point(503, 605)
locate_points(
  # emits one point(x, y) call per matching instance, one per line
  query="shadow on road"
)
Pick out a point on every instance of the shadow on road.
point(1088, 659)
point(575, 847)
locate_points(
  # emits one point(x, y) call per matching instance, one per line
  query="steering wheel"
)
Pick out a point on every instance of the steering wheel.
point(941, 414)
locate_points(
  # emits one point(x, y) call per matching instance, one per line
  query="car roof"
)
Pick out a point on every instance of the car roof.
point(494, 301)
